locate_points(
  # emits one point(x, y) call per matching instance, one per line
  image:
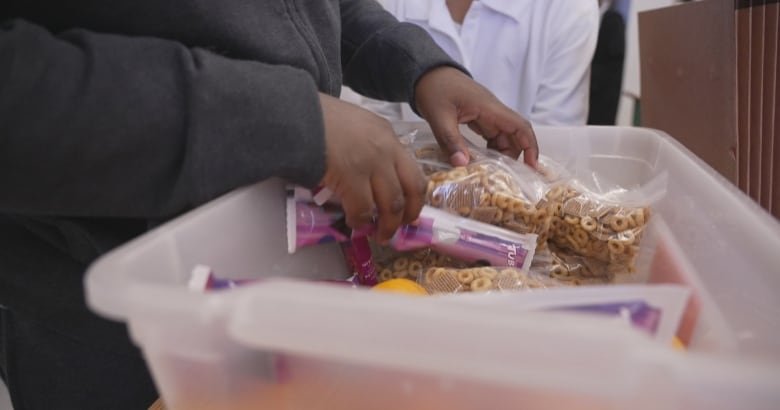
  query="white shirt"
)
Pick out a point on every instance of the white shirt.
point(534, 55)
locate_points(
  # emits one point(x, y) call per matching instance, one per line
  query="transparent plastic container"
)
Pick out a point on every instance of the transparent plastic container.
point(283, 345)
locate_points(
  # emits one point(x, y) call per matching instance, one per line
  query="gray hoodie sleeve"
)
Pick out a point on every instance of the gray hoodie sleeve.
point(383, 58)
point(112, 126)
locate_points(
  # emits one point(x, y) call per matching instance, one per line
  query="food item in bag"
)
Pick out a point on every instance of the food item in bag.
point(465, 239)
point(489, 192)
point(605, 232)
point(442, 274)
point(481, 279)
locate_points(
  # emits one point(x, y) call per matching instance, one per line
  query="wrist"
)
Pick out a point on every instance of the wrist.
point(424, 83)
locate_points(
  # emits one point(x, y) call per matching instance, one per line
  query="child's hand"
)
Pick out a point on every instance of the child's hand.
point(368, 169)
point(446, 98)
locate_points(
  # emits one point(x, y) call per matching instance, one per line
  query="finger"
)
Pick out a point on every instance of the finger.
point(413, 184)
point(525, 139)
point(389, 199)
point(504, 144)
point(521, 137)
point(358, 203)
point(444, 123)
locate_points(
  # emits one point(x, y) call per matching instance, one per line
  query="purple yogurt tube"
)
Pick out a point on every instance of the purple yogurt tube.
point(466, 239)
point(451, 235)
point(357, 253)
point(309, 224)
point(641, 315)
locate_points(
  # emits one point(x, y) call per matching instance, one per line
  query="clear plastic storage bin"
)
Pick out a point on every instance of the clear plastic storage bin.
point(289, 345)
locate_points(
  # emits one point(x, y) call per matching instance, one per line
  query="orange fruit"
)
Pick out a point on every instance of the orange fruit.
point(404, 286)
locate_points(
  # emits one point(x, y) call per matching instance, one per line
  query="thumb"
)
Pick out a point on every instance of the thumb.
point(444, 124)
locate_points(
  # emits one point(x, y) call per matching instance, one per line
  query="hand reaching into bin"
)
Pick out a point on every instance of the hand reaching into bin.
point(447, 97)
point(368, 169)
point(376, 176)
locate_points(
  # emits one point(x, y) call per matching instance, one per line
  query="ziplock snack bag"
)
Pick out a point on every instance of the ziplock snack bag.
point(465, 239)
point(493, 189)
point(490, 192)
point(568, 268)
point(604, 227)
point(442, 274)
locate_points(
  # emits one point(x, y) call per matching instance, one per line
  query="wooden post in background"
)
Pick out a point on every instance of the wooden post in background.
point(709, 78)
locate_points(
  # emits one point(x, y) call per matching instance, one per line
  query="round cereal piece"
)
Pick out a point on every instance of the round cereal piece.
point(501, 200)
point(498, 216)
point(588, 224)
point(618, 223)
point(481, 285)
point(385, 275)
point(429, 260)
point(581, 236)
point(555, 193)
point(415, 268)
point(519, 207)
point(638, 216)
point(439, 176)
point(400, 274)
point(464, 211)
point(571, 219)
point(540, 217)
point(559, 271)
point(401, 264)
point(474, 169)
point(434, 274)
point(457, 173)
point(487, 272)
point(616, 247)
point(465, 276)
point(627, 237)
point(441, 260)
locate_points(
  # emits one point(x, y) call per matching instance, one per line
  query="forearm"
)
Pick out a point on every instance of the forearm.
point(103, 125)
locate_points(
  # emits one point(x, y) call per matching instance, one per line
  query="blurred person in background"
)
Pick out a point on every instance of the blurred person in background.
point(534, 55)
point(606, 84)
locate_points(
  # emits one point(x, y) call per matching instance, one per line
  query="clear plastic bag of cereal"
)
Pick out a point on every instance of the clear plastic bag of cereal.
point(440, 274)
point(393, 264)
point(570, 268)
point(489, 191)
point(484, 279)
point(603, 225)
point(493, 188)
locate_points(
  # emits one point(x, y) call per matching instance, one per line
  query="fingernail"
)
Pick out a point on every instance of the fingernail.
point(459, 159)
